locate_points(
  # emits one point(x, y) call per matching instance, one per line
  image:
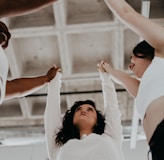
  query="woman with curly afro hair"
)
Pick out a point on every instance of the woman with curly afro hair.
point(83, 132)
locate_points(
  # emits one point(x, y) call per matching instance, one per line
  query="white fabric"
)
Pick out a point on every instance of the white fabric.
point(107, 146)
point(3, 74)
point(151, 86)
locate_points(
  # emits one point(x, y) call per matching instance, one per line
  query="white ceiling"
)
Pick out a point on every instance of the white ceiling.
point(75, 35)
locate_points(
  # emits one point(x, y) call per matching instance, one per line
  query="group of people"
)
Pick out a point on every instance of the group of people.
point(84, 132)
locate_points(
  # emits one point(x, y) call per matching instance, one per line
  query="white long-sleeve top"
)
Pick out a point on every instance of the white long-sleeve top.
point(3, 74)
point(107, 146)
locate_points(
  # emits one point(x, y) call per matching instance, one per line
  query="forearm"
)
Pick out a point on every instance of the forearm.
point(130, 83)
point(24, 86)
point(18, 7)
point(123, 11)
point(119, 7)
point(112, 113)
point(141, 25)
point(52, 115)
point(135, 21)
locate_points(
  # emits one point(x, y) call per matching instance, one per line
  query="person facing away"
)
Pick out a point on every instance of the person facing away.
point(83, 132)
point(147, 63)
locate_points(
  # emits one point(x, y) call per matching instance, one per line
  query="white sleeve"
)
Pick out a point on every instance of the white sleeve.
point(52, 116)
point(3, 74)
point(113, 126)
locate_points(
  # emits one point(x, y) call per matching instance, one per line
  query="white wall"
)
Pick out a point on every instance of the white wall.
point(139, 153)
point(38, 152)
point(27, 152)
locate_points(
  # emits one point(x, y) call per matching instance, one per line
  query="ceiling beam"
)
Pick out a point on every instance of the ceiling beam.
point(15, 73)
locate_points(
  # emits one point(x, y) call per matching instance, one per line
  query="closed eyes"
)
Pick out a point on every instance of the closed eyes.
point(88, 109)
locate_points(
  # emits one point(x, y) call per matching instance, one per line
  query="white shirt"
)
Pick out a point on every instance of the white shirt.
point(3, 74)
point(107, 146)
point(151, 86)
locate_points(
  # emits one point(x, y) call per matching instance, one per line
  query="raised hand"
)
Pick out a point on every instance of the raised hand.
point(52, 72)
point(104, 66)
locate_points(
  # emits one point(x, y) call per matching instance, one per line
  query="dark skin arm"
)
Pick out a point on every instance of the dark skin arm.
point(19, 7)
point(25, 86)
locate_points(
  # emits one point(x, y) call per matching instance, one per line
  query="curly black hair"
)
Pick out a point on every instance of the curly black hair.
point(70, 131)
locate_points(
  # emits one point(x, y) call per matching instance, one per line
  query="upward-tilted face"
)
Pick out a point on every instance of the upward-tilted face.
point(139, 65)
point(85, 116)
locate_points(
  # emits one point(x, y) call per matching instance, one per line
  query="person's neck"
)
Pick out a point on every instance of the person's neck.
point(86, 132)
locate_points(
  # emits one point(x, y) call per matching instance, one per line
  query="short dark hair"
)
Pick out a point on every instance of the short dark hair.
point(70, 131)
point(5, 35)
point(144, 50)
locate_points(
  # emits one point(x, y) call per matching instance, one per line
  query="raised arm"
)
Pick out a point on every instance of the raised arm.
point(113, 126)
point(18, 7)
point(147, 29)
point(52, 115)
point(25, 86)
point(130, 83)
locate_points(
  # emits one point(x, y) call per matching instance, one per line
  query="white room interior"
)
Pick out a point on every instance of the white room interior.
point(75, 35)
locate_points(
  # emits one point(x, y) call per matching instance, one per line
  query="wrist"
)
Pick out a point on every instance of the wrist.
point(45, 79)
